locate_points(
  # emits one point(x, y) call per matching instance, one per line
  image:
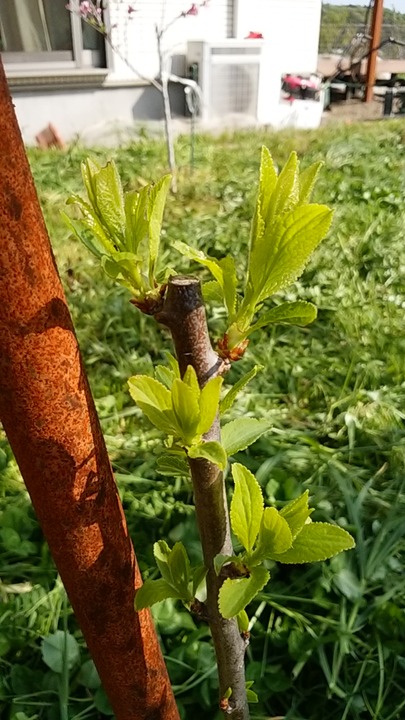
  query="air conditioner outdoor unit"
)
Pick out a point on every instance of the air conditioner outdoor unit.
point(228, 73)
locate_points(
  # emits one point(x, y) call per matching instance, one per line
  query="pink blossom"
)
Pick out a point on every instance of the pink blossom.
point(85, 8)
point(193, 10)
point(131, 9)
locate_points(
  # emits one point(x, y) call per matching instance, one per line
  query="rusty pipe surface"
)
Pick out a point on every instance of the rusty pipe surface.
point(49, 417)
point(376, 27)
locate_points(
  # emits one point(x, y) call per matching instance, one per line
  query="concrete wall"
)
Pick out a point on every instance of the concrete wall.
point(98, 115)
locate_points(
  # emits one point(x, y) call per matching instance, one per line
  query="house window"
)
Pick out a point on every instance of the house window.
point(44, 33)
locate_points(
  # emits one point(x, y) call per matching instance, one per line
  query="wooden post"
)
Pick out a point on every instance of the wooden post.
point(49, 417)
point(376, 25)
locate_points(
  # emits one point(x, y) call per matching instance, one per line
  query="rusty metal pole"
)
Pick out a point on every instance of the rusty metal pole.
point(49, 417)
point(376, 25)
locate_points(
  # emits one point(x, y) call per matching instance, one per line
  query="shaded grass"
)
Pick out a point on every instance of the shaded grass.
point(328, 639)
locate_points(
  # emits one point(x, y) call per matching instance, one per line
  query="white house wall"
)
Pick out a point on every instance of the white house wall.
point(290, 29)
point(135, 35)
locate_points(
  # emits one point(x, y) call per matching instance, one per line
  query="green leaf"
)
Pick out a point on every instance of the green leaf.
point(297, 513)
point(267, 181)
point(251, 696)
point(230, 397)
point(59, 650)
point(5, 647)
point(209, 404)
point(212, 451)
point(349, 584)
point(79, 230)
point(198, 256)
point(286, 192)
point(110, 267)
point(173, 466)
point(154, 399)
point(288, 313)
point(199, 574)
point(157, 200)
point(239, 434)
point(89, 169)
point(110, 202)
point(161, 552)
point(131, 201)
point(212, 292)
point(246, 506)
point(285, 231)
point(186, 410)
point(274, 536)
point(316, 541)
point(121, 223)
point(229, 284)
point(243, 621)
point(149, 391)
point(223, 271)
point(88, 675)
point(180, 569)
point(164, 421)
point(172, 362)
point(190, 378)
point(127, 266)
point(102, 703)
point(307, 181)
point(165, 375)
point(22, 680)
point(293, 239)
point(90, 223)
point(236, 593)
point(153, 591)
point(136, 215)
point(174, 566)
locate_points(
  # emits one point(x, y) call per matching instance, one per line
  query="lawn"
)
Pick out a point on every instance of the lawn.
point(328, 639)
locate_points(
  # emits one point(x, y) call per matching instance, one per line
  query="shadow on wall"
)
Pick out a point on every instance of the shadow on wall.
point(149, 104)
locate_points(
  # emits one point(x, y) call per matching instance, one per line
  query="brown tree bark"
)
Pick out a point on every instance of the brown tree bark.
point(49, 416)
point(184, 314)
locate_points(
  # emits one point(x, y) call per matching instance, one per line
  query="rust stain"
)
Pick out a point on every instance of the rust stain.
point(88, 542)
point(49, 416)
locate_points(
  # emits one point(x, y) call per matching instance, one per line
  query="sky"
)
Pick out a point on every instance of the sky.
point(398, 5)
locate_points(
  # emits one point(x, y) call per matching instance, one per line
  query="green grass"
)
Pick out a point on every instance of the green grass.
point(328, 640)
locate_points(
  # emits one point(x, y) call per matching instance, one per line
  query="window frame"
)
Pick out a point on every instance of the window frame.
point(77, 59)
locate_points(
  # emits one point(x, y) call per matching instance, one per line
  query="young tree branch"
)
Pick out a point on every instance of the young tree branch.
point(184, 314)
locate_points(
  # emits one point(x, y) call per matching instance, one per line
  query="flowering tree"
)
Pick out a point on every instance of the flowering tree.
point(92, 12)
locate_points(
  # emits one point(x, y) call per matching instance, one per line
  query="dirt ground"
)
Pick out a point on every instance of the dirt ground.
point(354, 110)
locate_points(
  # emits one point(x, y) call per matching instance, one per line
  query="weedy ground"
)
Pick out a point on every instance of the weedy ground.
point(327, 640)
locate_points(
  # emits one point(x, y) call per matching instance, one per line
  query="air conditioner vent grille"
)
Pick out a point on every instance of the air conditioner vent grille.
point(229, 74)
point(234, 89)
